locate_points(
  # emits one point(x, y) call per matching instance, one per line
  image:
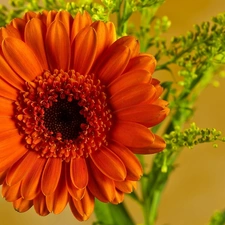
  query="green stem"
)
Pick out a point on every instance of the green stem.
point(154, 206)
point(147, 16)
point(175, 58)
point(156, 184)
point(146, 215)
point(122, 17)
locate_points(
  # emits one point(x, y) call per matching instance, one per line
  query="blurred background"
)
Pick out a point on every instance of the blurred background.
point(197, 187)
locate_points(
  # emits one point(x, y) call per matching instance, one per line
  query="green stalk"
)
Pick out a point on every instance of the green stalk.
point(154, 207)
point(122, 17)
point(157, 183)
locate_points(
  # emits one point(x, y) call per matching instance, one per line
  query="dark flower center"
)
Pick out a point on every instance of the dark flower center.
point(63, 114)
point(64, 117)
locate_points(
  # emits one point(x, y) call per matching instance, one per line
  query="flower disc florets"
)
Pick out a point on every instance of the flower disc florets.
point(56, 106)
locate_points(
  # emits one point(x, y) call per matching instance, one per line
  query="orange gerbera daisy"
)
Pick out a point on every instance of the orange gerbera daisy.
point(75, 106)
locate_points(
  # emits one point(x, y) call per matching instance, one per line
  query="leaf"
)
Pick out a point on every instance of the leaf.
point(109, 214)
point(103, 213)
point(122, 215)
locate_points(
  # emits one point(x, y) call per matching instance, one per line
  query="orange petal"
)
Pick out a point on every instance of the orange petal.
point(21, 58)
point(109, 164)
point(57, 201)
point(84, 50)
point(66, 18)
point(34, 36)
point(22, 205)
point(6, 124)
point(43, 16)
point(128, 80)
point(133, 166)
point(111, 31)
point(126, 186)
point(7, 91)
point(132, 96)
point(7, 74)
point(10, 31)
point(159, 88)
point(73, 191)
point(142, 61)
point(30, 184)
point(102, 187)
point(6, 107)
point(19, 24)
point(132, 43)
point(79, 172)
point(21, 168)
point(3, 176)
point(105, 35)
point(8, 140)
point(11, 193)
point(80, 21)
point(157, 146)
point(40, 205)
point(110, 67)
point(132, 134)
point(1, 38)
point(162, 103)
point(119, 197)
point(6, 163)
point(83, 209)
point(148, 115)
point(51, 175)
point(58, 46)
point(6, 136)
point(50, 16)
point(29, 15)
point(9, 154)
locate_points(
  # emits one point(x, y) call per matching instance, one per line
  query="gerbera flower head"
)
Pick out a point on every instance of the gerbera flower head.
point(75, 106)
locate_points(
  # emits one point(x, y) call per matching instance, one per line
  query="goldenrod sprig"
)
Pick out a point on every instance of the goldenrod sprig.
point(192, 136)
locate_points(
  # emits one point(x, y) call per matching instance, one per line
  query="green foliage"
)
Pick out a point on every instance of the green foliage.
point(190, 137)
point(154, 181)
point(124, 10)
point(149, 24)
point(19, 7)
point(199, 56)
point(191, 49)
point(196, 53)
point(218, 218)
point(96, 10)
point(109, 214)
point(3, 15)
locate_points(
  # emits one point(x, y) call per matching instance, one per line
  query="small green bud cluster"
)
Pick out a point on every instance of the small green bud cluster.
point(191, 137)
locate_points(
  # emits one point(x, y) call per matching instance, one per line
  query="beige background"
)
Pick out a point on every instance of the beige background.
point(197, 187)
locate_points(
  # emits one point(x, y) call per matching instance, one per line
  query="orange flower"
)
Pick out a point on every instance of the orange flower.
point(75, 106)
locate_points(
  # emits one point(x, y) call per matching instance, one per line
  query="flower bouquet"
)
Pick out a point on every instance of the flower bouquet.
point(87, 90)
